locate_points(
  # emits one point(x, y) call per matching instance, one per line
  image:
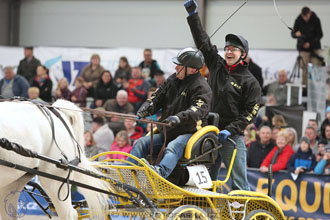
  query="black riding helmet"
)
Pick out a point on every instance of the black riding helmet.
point(237, 41)
point(189, 57)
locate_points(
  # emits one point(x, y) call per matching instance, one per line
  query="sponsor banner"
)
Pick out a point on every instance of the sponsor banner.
point(68, 62)
point(306, 198)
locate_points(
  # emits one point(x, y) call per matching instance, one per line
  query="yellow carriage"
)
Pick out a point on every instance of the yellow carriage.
point(171, 201)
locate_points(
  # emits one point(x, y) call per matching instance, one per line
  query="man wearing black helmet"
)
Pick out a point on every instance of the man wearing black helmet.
point(236, 94)
point(185, 99)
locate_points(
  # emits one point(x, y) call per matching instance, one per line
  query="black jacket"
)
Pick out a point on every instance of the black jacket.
point(189, 99)
point(256, 72)
point(257, 152)
point(45, 89)
point(28, 69)
point(311, 32)
point(236, 94)
point(153, 67)
point(105, 91)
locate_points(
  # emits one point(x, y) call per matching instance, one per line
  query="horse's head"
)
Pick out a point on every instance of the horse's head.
point(74, 116)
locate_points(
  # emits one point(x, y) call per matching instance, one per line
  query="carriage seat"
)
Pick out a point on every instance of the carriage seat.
point(202, 146)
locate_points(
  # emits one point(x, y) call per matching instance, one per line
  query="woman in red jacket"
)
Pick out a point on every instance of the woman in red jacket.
point(280, 154)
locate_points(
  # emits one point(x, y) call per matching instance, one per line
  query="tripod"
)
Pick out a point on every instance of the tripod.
point(296, 70)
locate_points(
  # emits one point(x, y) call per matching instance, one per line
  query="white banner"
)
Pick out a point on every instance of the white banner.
point(69, 62)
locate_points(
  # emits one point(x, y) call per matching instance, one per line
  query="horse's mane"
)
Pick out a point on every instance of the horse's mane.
point(75, 117)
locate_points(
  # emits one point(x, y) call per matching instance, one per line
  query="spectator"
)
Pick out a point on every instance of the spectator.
point(148, 65)
point(308, 31)
point(321, 144)
point(323, 167)
point(279, 89)
point(262, 119)
point(313, 123)
point(28, 66)
point(90, 144)
point(278, 121)
point(124, 71)
point(79, 94)
point(33, 93)
point(103, 135)
point(325, 122)
point(310, 133)
point(137, 88)
point(106, 89)
point(279, 156)
point(327, 133)
point(119, 105)
point(159, 79)
point(275, 130)
point(13, 85)
point(293, 138)
point(122, 144)
point(303, 160)
point(134, 132)
point(62, 90)
point(255, 70)
point(43, 82)
point(250, 135)
point(92, 73)
point(259, 149)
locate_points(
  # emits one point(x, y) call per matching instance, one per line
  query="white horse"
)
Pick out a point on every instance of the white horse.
point(25, 124)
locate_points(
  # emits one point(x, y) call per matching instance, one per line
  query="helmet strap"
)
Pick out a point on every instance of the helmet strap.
point(186, 72)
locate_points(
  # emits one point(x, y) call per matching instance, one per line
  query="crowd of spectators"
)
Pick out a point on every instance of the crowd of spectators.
point(268, 140)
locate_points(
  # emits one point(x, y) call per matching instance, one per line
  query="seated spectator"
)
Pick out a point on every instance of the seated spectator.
point(123, 144)
point(303, 160)
point(33, 93)
point(279, 156)
point(327, 133)
point(103, 135)
point(92, 73)
point(261, 118)
point(134, 132)
point(313, 123)
point(62, 90)
point(278, 121)
point(43, 82)
point(148, 65)
point(325, 122)
point(90, 144)
point(79, 94)
point(259, 149)
point(250, 135)
point(310, 133)
point(119, 105)
point(159, 79)
point(279, 89)
point(124, 72)
point(323, 167)
point(275, 130)
point(13, 85)
point(321, 144)
point(137, 88)
point(293, 138)
point(106, 89)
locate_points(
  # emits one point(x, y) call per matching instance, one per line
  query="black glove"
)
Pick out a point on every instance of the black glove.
point(144, 110)
point(191, 7)
point(173, 120)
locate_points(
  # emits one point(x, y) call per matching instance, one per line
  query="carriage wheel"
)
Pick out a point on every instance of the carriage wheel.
point(186, 212)
point(260, 214)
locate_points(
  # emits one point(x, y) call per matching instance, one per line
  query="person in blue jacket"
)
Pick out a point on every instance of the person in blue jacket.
point(323, 167)
point(303, 160)
point(13, 85)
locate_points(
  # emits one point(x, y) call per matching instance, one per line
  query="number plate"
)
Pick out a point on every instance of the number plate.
point(199, 176)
